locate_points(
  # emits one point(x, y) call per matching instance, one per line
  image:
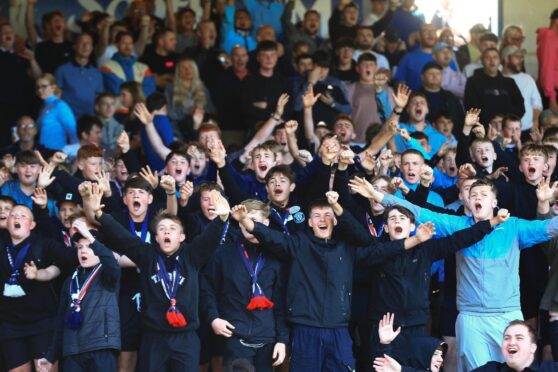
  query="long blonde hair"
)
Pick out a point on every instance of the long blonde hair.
point(509, 33)
point(184, 92)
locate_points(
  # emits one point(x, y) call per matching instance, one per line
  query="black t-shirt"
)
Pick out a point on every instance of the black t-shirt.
point(159, 64)
point(50, 55)
point(13, 73)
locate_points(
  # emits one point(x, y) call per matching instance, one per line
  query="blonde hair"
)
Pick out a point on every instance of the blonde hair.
point(52, 81)
point(257, 205)
point(509, 33)
point(184, 91)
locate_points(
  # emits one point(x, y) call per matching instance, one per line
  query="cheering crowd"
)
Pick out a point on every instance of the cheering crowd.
point(229, 191)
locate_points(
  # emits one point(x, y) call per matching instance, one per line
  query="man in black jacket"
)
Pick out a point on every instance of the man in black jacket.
point(168, 282)
point(320, 279)
point(242, 295)
point(490, 91)
point(519, 347)
point(401, 285)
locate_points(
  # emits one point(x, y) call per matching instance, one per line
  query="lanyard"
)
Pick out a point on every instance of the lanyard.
point(371, 227)
point(144, 227)
point(170, 284)
point(282, 220)
point(253, 271)
point(78, 293)
point(224, 233)
point(67, 238)
point(16, 265)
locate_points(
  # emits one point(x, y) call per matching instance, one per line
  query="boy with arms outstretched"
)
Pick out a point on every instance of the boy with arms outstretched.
point(168, 282)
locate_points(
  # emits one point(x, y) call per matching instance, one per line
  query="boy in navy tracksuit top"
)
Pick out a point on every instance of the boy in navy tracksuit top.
point(168, 283)
point(401, 284)
point(87, 330)
point(242, 295)
point(320, 280)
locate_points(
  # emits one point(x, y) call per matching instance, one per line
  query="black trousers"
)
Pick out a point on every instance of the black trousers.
point(92, 361)
point(259, 355)
point(169, 352)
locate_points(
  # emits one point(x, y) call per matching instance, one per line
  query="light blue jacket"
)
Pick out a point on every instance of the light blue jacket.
point(487, 272)
point(57, 124)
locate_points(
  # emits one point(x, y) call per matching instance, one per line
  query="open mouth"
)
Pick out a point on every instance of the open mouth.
point(262, 168)
point(484, 159)
point(277, 191)
point(322, 227)
point(197, 167)
point(211, 210)
point(178, 172)
point(166, 240)
point(411, 174)
point(83, 258)
point(478, 207)
point(512, 350)
point(398, 229)
point(418, 111)
point(17, 225)
point(451, 169)
point(531, 171)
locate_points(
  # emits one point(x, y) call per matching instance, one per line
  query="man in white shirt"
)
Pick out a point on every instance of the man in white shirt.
point(512, 58)
point(488, 40)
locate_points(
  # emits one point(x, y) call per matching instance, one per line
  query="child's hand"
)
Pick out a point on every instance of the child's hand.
point(238, 212)
point(168, 183)
point(44, 365)
point(332, 197)
point(30, 270)
point(386, 332)
point(426, 231)
point(149, 176)
point(39, 197)
point(502, 216)
point(222, 208)
point(186, 192)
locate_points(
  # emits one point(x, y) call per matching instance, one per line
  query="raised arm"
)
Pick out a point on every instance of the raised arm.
point(273, 241)
point(146, 118)
point(168, 184)
point(267, 129)
point(124, 242)
point(30, 23)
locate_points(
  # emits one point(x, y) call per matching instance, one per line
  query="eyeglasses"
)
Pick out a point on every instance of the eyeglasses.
point(27, 126)
point(40, 87)
point(518, 38)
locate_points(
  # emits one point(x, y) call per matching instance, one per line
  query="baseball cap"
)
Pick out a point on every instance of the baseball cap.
point(440, 46)
point(391, 35)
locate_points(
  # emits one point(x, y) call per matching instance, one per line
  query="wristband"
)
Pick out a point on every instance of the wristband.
point(397, 113)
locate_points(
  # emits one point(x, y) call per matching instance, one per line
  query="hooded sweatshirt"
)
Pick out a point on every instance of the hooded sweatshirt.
point(547, 54)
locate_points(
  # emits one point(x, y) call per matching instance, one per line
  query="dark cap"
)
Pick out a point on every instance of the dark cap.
point(68, 197)
point(391, 35)
point(554, 14)
point(431, 65)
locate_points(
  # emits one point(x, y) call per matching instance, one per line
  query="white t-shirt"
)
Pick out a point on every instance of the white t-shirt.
point(531, 97)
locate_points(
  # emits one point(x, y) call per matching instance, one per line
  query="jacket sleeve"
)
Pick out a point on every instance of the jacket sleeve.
point(351, 231)
point(148, 83)
point(124, 242)
point(210, 283)
point(232, 182)
point(203, 246)
point(531, 233)
point(54, 352)
point(111, 270)
point(377, 251)
point(441, 248)
point(280, 305)
point(275, 242)
point(470, 99)
point(518, 103)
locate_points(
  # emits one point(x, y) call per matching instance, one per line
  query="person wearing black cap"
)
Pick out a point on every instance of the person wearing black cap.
point(345, 65)
point(333, 98)
point(438, 98)
point(547, 49)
